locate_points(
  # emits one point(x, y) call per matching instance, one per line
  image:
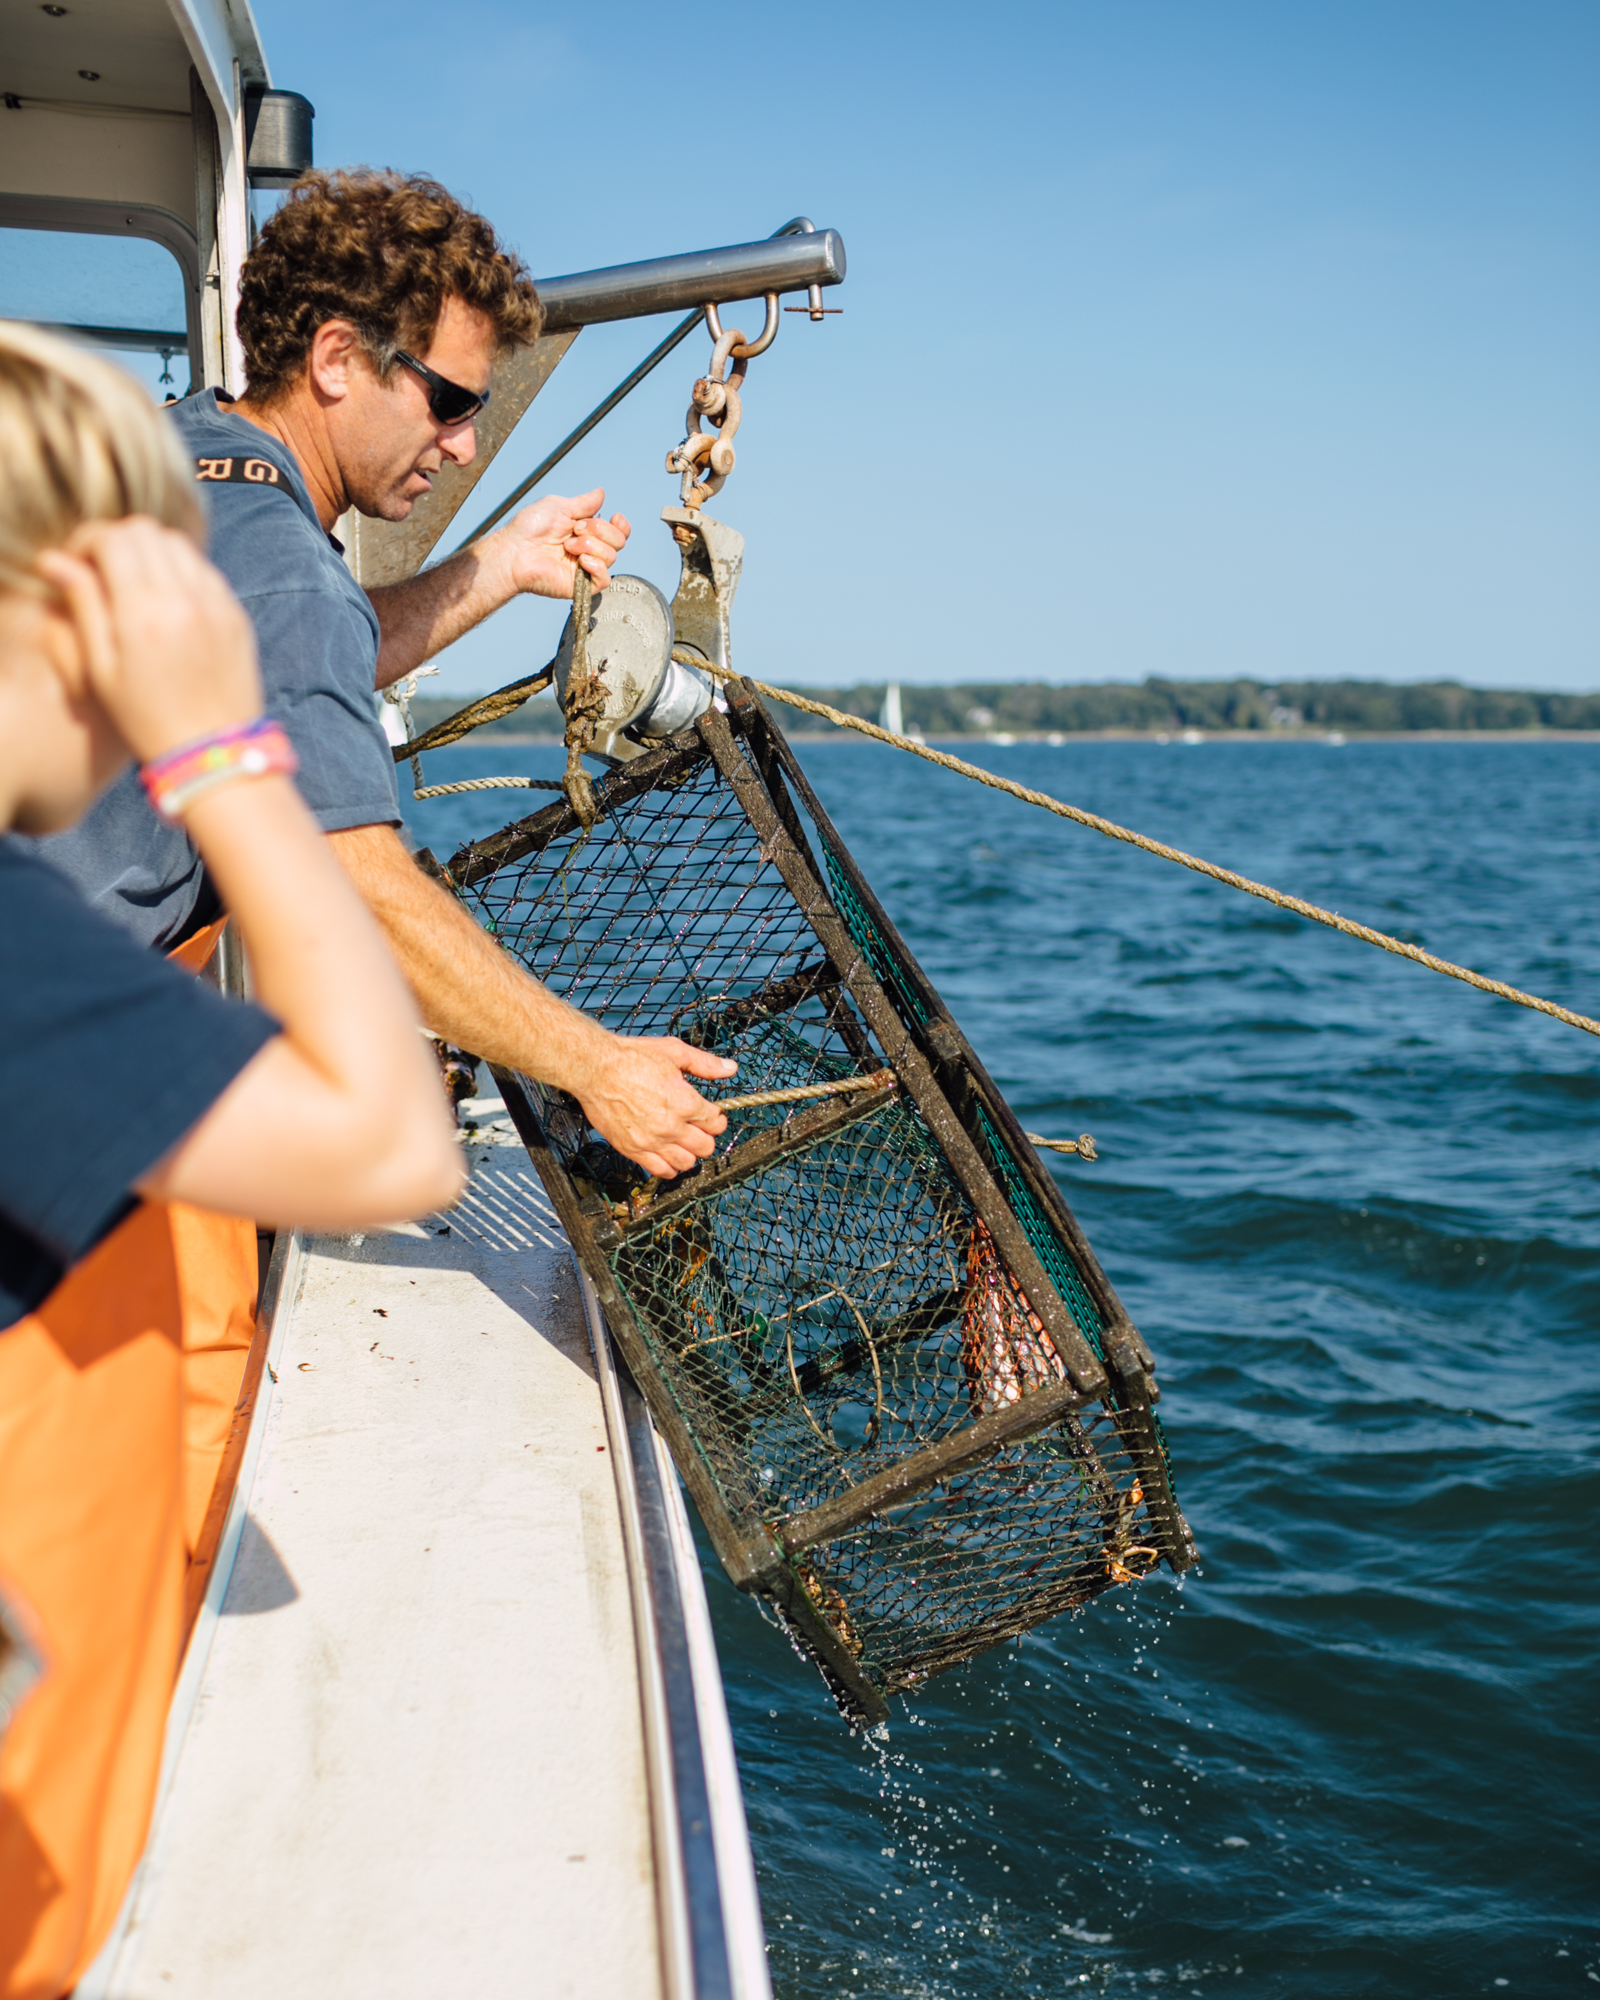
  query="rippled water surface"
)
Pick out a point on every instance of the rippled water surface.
point(1355, 1209)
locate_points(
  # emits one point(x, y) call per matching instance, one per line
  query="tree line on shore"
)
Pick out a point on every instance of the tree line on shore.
point(1028, 708)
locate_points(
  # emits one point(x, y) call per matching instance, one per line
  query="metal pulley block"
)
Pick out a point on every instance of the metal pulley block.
point(647, 695)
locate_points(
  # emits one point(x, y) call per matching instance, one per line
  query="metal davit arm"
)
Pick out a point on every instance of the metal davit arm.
point(798, 258)
point(794, 260)
point(663, 279)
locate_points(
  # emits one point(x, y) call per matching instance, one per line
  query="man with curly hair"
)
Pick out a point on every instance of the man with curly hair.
point(371, 312)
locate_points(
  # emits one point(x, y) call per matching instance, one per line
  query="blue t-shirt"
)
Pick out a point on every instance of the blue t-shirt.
point(108, 1055)
point(318, 637)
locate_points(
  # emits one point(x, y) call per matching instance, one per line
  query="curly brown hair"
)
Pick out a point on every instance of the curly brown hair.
point(383, 250)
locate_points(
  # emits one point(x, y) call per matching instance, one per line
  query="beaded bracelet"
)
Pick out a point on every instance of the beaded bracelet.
point(251, 750)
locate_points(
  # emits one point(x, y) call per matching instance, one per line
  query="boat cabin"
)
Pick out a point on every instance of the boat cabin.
point(449, 1716)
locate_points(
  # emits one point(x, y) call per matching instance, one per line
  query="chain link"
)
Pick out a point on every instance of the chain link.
point(705, 458)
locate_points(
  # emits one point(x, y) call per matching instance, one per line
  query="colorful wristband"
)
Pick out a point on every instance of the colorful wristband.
point(252, 750)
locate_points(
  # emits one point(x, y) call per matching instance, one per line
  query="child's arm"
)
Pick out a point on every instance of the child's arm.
point(340, 1120)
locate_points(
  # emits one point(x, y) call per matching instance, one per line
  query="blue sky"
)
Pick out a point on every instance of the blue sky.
point(1180, 338)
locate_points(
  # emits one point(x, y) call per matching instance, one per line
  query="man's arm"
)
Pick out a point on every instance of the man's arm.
point(538, 550)
point(478, 996)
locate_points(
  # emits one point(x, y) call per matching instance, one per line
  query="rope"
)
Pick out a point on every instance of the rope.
point(876, 1081)
point(490, 709)
point(586, 696)
point(493, 706)
point(1083, 1145)
point(1297, 904)
point(488, 785)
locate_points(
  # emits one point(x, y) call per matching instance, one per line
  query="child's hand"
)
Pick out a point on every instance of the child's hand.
point(168, 652)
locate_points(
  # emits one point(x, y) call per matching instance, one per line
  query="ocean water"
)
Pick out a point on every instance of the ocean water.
point(1355, 1209)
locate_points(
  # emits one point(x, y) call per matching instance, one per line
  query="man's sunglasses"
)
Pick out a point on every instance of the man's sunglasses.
point(449, 402)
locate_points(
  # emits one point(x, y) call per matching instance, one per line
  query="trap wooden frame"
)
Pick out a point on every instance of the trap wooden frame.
point(969, 1119)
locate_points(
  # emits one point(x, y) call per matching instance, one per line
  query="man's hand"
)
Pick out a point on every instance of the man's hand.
point(537, 551)
point(635, 1095)
point(542, 547)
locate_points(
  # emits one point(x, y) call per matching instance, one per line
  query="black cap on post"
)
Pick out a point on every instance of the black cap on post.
point(277, 136)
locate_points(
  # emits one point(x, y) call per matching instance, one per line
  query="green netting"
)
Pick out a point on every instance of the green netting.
point(865, 932)
point(1047, 1246)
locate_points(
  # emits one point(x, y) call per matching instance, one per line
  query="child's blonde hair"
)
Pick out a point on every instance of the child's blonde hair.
point(79, 441)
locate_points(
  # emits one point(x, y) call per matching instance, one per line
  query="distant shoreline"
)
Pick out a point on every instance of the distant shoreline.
point(1328, 739)
point(1237, 711)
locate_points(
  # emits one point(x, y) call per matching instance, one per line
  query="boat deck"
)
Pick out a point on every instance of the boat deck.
point(415, 1758)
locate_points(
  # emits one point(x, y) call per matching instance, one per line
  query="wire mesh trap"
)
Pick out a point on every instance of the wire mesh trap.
point(911, 1410)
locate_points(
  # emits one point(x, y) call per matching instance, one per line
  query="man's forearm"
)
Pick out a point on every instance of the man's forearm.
point(632, 1088)
point(426, 613)
point(538, 550)
point(469, 991)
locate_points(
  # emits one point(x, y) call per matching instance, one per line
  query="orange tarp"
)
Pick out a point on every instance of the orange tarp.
point(217, 1274)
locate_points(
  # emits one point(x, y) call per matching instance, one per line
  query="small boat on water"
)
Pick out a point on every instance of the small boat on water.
point(450, 1715)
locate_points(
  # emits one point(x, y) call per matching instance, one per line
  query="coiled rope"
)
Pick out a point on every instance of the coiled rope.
point(1301, 908)
point(586, 697)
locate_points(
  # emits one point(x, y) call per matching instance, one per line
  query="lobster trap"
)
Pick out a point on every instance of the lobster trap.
point(911, 1411)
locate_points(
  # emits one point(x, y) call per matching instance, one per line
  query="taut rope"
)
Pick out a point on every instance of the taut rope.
point(488, 785)
point(1297, 904)
point(493, 706)
point(490, 709)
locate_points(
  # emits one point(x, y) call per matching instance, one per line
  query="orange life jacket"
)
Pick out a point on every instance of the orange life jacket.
point(217, 1265)
point(91, 1543)
point(116, 1399)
